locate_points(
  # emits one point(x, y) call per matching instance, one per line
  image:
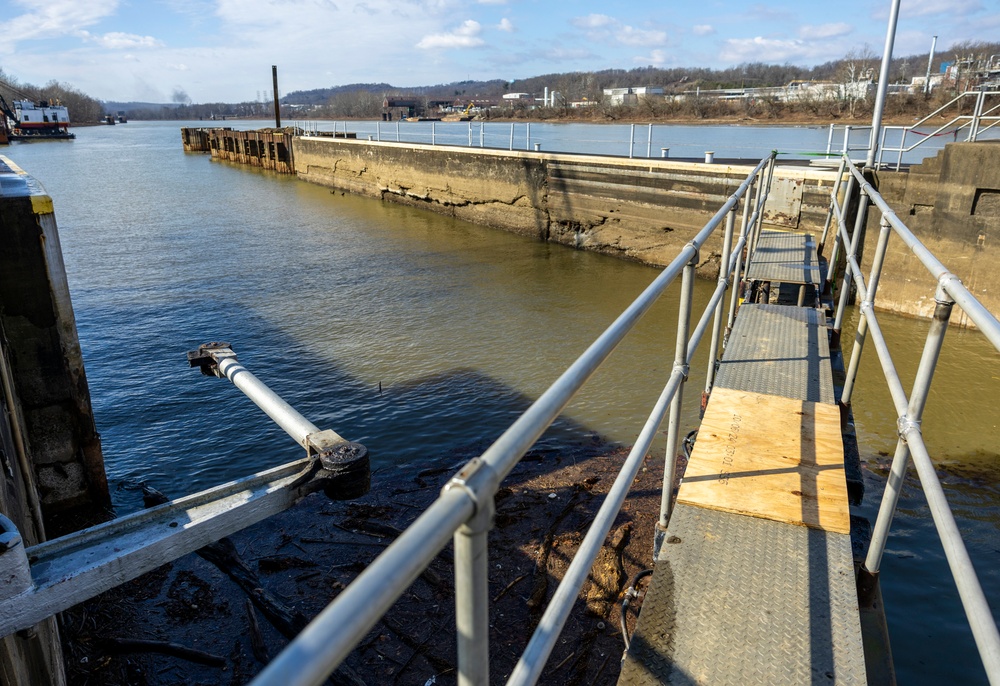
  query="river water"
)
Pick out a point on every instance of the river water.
point(423, 337)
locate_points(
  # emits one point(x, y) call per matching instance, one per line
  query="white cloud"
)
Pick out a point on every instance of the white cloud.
point(593, 21)
point(53, 19)
point(922, 8)
point(465, 36)
point(629, 35)
point(703, 29)
point(656, 58)
point(117, 41)
point(506, 25)
point(825, 31)
point(771, 50)
point(604, 29)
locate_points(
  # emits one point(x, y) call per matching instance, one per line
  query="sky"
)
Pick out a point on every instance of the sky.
point(222, 50)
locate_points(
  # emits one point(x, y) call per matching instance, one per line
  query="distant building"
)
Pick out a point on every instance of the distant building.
point(630, 96)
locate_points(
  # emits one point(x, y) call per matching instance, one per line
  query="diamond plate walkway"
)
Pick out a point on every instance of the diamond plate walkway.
point(755, 581)
point(786, 257)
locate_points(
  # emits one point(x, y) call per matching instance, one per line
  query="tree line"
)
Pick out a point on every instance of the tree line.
point(82, 107)
point(364, 100)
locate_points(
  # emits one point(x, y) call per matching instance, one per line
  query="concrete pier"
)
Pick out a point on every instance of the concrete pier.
point(50, 452)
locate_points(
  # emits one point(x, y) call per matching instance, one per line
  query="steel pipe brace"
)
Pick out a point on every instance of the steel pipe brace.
point(684, 369)
point(904, 425)
point(480, 482)
point(941, 294)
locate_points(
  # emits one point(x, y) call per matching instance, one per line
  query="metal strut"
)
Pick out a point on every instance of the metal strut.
point(40, 581)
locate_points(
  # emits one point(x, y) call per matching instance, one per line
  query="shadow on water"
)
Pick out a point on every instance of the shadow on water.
point(418, 432)
point(172, 418)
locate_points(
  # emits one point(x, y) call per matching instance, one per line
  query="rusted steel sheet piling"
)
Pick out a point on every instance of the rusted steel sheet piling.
point(266, 148)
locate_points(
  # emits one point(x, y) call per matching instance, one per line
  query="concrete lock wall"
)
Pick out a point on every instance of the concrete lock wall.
point(951, 202)
point(42, 353)
point(644, 210)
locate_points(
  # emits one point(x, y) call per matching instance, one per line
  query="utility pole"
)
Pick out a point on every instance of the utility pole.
point(277, 108)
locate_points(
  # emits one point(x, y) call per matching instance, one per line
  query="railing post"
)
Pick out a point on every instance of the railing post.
point(977, 114)
point(885, 230)
point(868, 574)
point(527, 135)
point(673, 428)
point(433, 134)
point(738, 268)
point(846, 283)
point(511, 144)
point(470, 133)
point(713, 351)
point(829, 140)
point(378, 130)
point(397, 130)
point(649, 142)
point(761, 202)
point(472, 617)
point(831, 269)
point(472, 623)
point(833, 203)
point(631, 140)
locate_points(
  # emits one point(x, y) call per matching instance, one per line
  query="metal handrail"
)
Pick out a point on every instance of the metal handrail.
point(465, 507)
point(909, 409)
point(846, 144)
point(970, 121)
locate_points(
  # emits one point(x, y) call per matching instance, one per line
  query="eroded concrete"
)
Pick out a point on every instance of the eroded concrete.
point(641, 209)
point(951, 202)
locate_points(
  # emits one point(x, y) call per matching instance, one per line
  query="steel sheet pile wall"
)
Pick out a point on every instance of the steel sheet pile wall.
point(643, 210)
point(266, 148)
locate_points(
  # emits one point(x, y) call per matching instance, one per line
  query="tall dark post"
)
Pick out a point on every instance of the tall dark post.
point(277, 108)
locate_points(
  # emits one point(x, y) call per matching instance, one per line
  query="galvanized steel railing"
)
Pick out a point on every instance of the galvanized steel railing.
point(464, 510)
point(979, 122)
point(909, 409)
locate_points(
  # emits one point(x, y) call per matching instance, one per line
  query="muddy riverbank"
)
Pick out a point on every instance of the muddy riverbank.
point(305, 556)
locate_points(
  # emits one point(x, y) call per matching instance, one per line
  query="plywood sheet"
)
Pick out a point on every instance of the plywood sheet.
point(772, 457)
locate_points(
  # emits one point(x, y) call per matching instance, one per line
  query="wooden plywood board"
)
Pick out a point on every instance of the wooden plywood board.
point(772, 457)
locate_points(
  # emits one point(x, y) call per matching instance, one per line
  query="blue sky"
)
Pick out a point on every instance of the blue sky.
point(222, 50)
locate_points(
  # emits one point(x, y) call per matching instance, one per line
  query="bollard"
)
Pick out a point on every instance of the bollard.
point(538, 146)
point(709, 157)
point(664, 152)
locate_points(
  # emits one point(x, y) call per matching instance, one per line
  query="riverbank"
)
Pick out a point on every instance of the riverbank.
point(306, 555)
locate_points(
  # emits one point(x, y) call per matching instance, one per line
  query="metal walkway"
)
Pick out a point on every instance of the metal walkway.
point(755, 581)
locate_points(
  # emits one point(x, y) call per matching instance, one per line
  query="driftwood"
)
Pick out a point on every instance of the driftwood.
point(223, 555)
point(289, 622)
point(256, 638)
point(133, 645)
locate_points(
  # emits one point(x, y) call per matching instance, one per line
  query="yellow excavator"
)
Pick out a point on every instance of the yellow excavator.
point(464, 116)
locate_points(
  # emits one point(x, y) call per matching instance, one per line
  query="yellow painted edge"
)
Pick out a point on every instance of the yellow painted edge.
point(42, 204)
